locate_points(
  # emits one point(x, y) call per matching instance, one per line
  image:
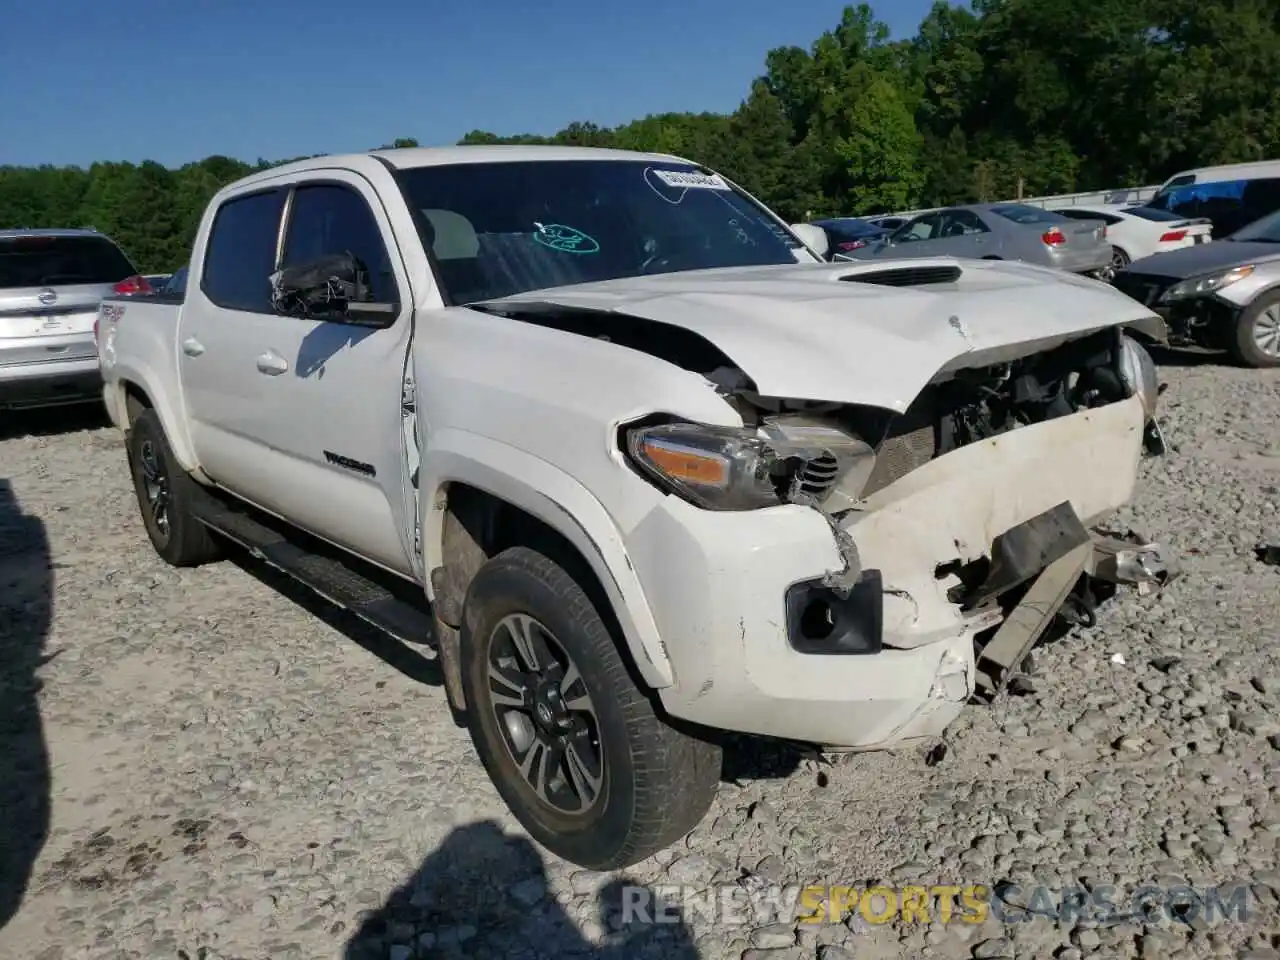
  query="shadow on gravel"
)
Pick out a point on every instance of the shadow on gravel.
point(745, 758)
point(1187, 357)
point(388, 649)
point(758, 758)
point(52, 421)
point(26, 609)
point(484, 894)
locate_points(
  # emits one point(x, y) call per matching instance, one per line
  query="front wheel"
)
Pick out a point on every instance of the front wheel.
point(1256, 340)
point(572, 744)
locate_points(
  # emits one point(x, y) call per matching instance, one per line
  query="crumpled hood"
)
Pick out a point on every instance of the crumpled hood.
point(803, 333)
point(1204, 257)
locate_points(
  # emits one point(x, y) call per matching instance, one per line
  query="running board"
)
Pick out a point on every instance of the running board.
point(332, 579)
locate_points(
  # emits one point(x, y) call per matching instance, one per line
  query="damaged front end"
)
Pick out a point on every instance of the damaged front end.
point(1045, 575)
point(967, 514)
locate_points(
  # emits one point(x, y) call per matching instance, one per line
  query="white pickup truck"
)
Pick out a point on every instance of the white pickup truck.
point(601, 430)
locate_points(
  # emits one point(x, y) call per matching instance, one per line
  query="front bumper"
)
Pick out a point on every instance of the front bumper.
point(717, 584)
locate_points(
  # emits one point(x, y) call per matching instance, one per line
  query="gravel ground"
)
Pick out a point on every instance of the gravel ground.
point(210, 764)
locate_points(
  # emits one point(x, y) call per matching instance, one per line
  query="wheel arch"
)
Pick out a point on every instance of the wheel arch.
point(131, 392)
point(487, 497)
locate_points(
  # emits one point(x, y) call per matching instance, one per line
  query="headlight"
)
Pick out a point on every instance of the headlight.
point(728, 468)
point(1199, 286)
point(1138, 371)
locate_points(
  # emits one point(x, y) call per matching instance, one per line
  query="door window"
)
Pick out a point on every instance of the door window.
point(921, 228)
point(961, 223)
point(328, 219)
point(241, 253)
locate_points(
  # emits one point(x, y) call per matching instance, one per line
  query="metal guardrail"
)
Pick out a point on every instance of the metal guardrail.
point(1115, 195)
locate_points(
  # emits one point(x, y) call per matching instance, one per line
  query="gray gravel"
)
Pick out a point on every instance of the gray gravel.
point(233, 776)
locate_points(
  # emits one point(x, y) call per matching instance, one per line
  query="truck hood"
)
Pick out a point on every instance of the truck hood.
point(1204, 258)
point(812, 332)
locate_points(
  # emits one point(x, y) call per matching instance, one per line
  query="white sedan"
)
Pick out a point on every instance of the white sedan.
point(1135, 232)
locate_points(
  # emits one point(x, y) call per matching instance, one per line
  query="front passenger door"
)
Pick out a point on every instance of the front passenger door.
point(913, 239)
point(332, 400)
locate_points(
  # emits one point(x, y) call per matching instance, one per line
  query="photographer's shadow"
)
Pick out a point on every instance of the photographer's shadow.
point(482, 893)
point(26, 608)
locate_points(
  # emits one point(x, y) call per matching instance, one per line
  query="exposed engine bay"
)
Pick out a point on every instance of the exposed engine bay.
point(970, 406)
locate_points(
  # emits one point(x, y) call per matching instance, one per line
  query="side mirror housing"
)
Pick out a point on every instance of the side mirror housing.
point(813, 237)
point(333, 288)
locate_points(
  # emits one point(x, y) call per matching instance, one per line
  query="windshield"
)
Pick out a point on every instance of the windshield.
point(1020, 213)
point(499, 229)
point(42, 260)
point(1266, 230)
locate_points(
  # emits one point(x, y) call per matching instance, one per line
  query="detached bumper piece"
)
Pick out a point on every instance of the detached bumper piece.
point(1043, 558)
point(1048, 563)
point(1132, 561)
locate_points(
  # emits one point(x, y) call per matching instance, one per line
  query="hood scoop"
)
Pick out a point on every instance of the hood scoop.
point(906, 276)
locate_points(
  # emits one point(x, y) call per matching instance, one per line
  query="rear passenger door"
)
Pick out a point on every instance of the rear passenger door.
point(227, 307)
point(961, 233)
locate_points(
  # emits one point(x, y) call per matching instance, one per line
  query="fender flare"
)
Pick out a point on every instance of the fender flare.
point(148, 382)
point(558, 500)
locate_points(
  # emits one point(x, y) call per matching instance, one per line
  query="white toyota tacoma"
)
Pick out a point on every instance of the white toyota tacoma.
point(602, 431)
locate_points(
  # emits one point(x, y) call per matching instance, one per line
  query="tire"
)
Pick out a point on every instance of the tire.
point(1255, 342)
point(177, 536)
point(1119, 260)
point(655, 782)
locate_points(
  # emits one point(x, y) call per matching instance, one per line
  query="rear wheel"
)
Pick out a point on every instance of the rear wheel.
point(165, 493)
point(1256, 342)
point(573, 745)
point(1119, 260)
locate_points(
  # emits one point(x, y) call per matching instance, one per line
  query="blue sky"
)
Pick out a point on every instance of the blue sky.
point(180, 80)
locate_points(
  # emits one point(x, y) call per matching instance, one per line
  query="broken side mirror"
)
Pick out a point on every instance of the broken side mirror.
point(333, 288)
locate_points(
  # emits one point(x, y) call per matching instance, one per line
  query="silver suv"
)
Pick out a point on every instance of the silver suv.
point(51, 282)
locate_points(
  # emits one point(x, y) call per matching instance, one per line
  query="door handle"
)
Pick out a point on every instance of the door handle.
point(192, 347)
point(272, 364)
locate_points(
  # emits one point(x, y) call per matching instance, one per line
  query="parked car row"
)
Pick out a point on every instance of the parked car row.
point(1135, 232)
point(1204, 252)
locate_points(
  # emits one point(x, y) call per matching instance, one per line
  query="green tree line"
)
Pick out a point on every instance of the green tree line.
point(1046, 96)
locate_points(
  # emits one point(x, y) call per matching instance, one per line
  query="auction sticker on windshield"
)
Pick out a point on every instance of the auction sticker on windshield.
point(699, 181)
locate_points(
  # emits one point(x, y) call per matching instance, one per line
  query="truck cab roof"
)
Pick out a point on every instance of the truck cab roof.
point(410, 158)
